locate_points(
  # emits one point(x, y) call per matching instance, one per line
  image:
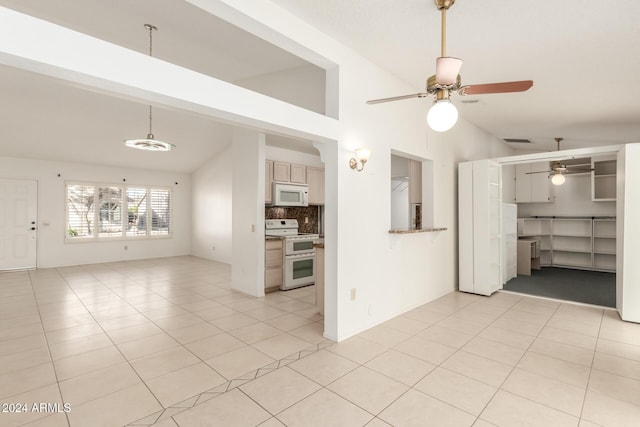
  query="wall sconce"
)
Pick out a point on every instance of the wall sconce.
point(362, 155)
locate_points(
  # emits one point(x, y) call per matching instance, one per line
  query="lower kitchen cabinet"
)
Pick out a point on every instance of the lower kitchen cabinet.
point(273, 265)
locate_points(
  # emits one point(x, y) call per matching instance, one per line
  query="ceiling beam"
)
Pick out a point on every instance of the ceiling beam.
point(45, 48)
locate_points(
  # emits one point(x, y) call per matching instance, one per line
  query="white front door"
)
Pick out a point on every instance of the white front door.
point(18, 223)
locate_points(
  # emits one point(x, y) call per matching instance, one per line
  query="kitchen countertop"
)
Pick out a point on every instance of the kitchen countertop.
point(416, 230)
point(272, 238)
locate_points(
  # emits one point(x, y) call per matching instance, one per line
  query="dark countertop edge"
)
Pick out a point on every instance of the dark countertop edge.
point(417, 230)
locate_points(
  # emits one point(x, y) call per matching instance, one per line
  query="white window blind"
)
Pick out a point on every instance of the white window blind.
point(108, 211)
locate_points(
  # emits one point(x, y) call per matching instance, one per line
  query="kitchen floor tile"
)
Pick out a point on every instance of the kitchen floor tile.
point(281, 346)
point(145, 346)
point(578, 340)
point(323, 366)
point(445, 336)
point(234, 321)
point(239, 362)
point(24, 380)
point(214, 346)
point(46, 394)
point(99, 383)
point(115, 409)
point(232, 409)
point(278, 390)
point(194, 332)
point(507, 337)
point(562, 351)
point(457, 390)
point(555, 369)
point(254, 333)
point(357, 349)
point(179, 385)
point(555, 394)
point(401, 367)
point(416, 409)
point(163, 362)
point(368, 389)
point(288, 322)
point(428, 351)
point(24, 359)
point(312, 333)
point(605, 411)
point(479, 368)
point(324, 408)
point(494, 350)
point(617, 365)
point(510, 410)
point(620, 349)
point(615, 386)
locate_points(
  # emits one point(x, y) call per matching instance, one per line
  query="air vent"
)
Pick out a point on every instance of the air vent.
point(517, 140)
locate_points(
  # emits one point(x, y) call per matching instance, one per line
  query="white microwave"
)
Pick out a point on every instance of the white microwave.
point(285, 194)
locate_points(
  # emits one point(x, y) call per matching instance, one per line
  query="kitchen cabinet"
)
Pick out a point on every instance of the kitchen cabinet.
point(603, 179)
point(268, 181)
point(298, 174)
point(533, 187)
point(480, 226)
point(315, 181)
point(281, 171)
point(273, 264)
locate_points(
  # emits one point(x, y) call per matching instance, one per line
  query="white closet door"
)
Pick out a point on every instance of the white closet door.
point(18, 221)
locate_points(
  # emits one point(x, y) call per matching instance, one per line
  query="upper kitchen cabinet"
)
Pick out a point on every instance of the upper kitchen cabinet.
point(298, 174)
point(315, 181)
point(532, 183)
point(603, 178)
point(268, 181)
point(282, 172)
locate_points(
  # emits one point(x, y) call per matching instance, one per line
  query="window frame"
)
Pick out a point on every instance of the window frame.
point(95, 234)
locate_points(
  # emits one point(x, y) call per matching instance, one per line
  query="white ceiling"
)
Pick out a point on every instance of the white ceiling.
point(567, 47)
point(583, 56)
point(43, 118)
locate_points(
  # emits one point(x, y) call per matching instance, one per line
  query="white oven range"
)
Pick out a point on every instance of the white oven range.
point(299, 254)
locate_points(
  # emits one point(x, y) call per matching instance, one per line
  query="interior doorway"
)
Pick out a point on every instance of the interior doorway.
point(568, 230)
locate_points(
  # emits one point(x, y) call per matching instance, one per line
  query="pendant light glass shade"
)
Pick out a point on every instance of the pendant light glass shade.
point(558, 179)
point(442, 116)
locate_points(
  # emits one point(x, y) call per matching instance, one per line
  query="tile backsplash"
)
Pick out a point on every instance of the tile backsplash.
point(299, 213)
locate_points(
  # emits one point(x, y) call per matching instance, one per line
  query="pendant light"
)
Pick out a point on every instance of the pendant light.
point(150, 143)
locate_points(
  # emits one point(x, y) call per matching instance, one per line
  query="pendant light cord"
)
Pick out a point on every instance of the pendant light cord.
point(151, 28)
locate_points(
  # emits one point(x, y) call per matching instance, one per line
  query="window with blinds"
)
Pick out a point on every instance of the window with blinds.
point(106, 211)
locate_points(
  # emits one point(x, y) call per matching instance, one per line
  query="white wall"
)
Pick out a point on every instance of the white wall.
point(391, 273)
point(52, 249)
point(571, 198)
point(301, 86)
point(247, 183)
point(211, 209)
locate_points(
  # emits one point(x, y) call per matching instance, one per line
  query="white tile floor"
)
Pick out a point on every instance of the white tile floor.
point(165, 342)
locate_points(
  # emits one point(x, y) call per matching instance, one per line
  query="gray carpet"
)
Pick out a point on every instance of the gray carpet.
point(591, 287)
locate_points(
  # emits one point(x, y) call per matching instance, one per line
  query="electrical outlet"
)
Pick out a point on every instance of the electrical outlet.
point(353, 294)
point(306, 220)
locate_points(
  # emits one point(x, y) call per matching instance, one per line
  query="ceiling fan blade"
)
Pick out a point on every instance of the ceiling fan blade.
point(447, 69)
point(397, 98)
point(529, 173)
point(505, 87)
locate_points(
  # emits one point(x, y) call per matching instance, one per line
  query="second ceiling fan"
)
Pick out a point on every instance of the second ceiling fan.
point(443, 114)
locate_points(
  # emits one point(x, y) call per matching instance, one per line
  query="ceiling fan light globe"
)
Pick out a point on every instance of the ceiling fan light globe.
point(442, 116)
point(557, 179)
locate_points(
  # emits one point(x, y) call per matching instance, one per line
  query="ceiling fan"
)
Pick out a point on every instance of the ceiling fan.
point(443, 114)
point(559, 168)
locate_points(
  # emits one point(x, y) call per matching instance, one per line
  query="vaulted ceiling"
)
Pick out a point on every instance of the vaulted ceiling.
point(583, 56)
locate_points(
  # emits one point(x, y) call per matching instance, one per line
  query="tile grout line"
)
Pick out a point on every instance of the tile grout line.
point(586, 389)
